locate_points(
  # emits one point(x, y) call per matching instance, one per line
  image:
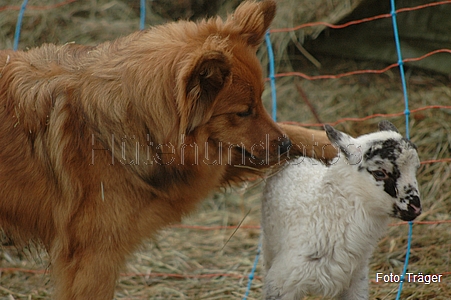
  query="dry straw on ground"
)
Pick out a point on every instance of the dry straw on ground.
point(187, 263)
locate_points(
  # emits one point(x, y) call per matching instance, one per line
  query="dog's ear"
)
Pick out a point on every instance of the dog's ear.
point(254, 19)
point(202, 79)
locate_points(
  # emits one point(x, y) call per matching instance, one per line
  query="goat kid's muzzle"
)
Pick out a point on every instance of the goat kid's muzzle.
point(413, 209)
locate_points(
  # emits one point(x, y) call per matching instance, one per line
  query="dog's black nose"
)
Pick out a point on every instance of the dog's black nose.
point(284, 145)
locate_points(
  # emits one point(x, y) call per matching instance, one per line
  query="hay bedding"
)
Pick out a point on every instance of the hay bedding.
point(194, 252)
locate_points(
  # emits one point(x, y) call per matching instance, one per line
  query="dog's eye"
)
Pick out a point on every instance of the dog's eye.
point(379, 175)
point(245, 113)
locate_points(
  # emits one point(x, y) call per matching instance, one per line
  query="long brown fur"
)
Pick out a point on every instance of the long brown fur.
point(103, 146)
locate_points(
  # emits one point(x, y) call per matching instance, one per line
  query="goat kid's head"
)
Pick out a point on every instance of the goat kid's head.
point(389, 162)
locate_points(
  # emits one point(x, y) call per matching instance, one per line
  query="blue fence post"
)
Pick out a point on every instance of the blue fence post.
point(272, 79)
point(407, 114)
point(272, 76)
point(142, 14)
point(19, 25)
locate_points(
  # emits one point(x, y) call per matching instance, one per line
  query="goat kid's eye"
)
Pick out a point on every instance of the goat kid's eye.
point(379, 175)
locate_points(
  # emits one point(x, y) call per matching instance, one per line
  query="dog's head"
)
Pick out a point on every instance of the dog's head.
point(221, 84)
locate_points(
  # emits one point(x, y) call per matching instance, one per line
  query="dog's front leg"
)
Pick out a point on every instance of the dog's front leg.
point(309, 142)
point(85, 273)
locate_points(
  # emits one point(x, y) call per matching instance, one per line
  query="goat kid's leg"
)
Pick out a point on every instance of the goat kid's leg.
point(280, 286)
point(86, 274)
point(270, 294)
point(270, 289)
point(358, 289)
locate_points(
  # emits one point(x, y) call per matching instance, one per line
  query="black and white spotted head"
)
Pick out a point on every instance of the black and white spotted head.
point(388, 162)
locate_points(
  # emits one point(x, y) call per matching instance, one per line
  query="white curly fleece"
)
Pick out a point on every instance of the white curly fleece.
point(318, 244)
point(321, 224)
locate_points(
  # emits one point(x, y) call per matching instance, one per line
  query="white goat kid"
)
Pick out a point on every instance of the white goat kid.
point(321, 224)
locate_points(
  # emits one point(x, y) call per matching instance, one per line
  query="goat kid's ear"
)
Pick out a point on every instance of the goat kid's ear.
point(199, 82)
point(347, 144)
point(253, 19)
point(387, 126)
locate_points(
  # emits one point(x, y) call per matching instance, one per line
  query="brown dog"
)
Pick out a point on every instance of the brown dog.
point(102, 146)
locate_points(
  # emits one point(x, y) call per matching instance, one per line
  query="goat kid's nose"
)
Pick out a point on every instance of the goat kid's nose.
point(415, 205)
